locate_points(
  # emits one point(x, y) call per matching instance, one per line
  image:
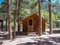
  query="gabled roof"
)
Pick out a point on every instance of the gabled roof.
point(31, 16)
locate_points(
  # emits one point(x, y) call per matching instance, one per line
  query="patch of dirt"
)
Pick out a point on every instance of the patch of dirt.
point(53, 39)
point(44, 41)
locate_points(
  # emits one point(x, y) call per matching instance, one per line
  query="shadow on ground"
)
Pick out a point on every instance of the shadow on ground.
point(5, 36)
point(37, 43)
point(42, 41)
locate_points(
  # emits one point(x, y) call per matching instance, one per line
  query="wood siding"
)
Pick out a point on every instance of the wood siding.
point(36, 20)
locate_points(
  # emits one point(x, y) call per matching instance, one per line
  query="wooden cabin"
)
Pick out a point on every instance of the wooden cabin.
point(1, 24)
point(31, 23)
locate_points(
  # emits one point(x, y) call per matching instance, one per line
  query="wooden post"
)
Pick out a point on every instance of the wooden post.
point(8, 19)
point(40, 17)
point(50, 16)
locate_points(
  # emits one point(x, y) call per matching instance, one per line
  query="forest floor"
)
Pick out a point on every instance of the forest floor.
point(50, 39)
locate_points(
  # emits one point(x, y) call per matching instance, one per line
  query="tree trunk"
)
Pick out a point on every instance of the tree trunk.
point(50, 16)
point(14, 31)
point(1, 25)
point(40, 17)
point(18, 16)
point(15, 14)
point(8, 19)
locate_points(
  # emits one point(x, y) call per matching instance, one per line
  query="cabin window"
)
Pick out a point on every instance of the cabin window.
point(30, 22)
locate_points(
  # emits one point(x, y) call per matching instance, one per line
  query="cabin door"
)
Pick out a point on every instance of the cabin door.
point(30, 25)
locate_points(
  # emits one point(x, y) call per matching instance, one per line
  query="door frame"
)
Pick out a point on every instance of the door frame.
point(32, 27)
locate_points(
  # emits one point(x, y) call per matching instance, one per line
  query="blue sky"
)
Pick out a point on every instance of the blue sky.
point(1, 1)
point(55, 0)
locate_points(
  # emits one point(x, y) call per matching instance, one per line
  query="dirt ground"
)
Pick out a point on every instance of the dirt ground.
point(52, 39)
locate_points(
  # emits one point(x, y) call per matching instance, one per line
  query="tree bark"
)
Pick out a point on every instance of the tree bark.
point(14, 31)
point(50, 16)
point(8, 19)
point(15, 14)
point(18, 16)
point(40, 17)
point(2, 25)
